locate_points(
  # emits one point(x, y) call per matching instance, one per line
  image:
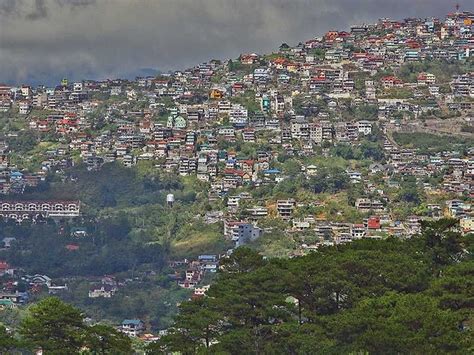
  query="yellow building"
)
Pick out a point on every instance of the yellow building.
point(467, 224)
point(216, 94)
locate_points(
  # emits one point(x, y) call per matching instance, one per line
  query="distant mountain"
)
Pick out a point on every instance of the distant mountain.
point(54, 79)
point(142, 72)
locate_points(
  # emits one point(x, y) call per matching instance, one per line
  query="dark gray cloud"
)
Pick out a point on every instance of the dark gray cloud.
point(44, 40)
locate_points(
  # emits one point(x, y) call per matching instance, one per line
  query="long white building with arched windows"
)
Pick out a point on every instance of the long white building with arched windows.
point(23, 210)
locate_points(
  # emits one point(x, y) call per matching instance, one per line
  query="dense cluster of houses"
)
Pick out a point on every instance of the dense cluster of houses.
point(190, 122)
point(189, 273)
point(17, 287)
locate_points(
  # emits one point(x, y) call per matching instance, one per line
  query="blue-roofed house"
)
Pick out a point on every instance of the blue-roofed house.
point(207, 257)
point(271, 174)
point(16, 176)
point(271, 171)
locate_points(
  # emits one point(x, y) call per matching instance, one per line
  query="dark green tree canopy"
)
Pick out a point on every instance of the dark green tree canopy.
point(369, 296)
point(58, 328)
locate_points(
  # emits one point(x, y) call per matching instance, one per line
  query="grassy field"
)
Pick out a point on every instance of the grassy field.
point(427, 142)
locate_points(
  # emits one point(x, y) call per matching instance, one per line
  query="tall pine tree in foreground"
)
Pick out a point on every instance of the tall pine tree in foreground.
point(58, 328)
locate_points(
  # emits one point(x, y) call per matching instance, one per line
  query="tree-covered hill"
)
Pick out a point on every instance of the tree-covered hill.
point(388, 296)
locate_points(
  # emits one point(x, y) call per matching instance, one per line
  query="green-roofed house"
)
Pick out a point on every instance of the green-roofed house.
point(7, 304)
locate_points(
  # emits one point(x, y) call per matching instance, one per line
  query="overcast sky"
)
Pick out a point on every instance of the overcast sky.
point(44, 40)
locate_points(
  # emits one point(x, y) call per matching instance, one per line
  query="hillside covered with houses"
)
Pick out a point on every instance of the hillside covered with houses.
point(123, 197)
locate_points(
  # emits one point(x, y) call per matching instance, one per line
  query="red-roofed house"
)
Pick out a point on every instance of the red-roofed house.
point(426, 79)
point(5, 269)
point(248, 58)
point(373, 223)
point(391, 81)
point(72, 247)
